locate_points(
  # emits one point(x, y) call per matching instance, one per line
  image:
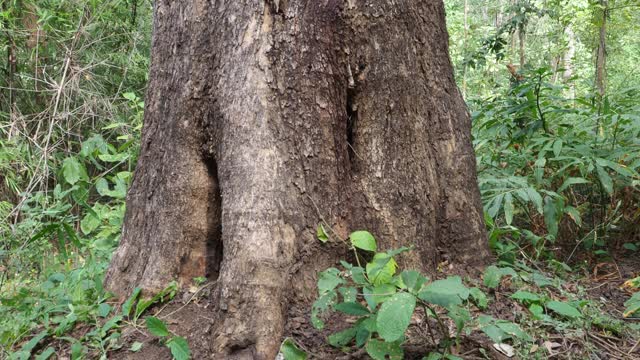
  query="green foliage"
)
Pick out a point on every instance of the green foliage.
point(177, 344)
point(384, 302)
point(290, 350)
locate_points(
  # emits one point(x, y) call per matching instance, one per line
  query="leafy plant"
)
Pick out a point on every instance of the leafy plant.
point(384, 301)
point(177, 344)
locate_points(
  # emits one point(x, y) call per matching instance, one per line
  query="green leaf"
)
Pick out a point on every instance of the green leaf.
point(363, 240)
point(572, 181)
point(378, 294)
point(574, 214)
point(563, 309)
point(31, 344)
point(632, 306)
point(445, 293)
point(460, 316)
point(329, 280)
point(73, 171)
point(156, 326)
point(128, 305)
point(479, 298)
point(551, 215)
point(352, 308)
point(290, 350)
point(535, 197)
point(413, 280)
point(525, 296)
point(104, 309)
point(605, 179)
point(179, 348)
point(513, 329)
point(342, 338)
point(380, 350)
point(381, 269)
point(557, 147)
point(322, 234)
point(136, 346)
point(537, 311)
point(319, 306)
point(349, 294)
point(46, 353)
point(508, 208)
point(496, 334)
point(394, 316)
point(492, 276)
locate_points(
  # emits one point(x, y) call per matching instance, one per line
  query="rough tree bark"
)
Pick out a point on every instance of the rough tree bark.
point(264, 117)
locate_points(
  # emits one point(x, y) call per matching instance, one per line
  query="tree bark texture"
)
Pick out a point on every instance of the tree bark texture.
point(263, 119)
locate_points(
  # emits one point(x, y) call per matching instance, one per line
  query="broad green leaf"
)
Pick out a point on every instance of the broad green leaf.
point(179, 348)
point(128, 305)
point(89, 223)
point(381, 269)
point(525, 296)
point(551, 215)
point(492, 276)
point(114, 158)
point(574, 214)
point(460, 316)
point(394, 316)
point(535, 197)
point(445, 293)
point(378, 294)
point(31, 344)
point(632, 306)
point(329, 280)
point(291, 351)
point(156, 326)
point(380, 350)
point(73, 171)
point(496, 334)
point(352, 308)
point(513, 329)
point(136, 346)
point(413, 280)
point(349, 294)
point(363, 240)
point(322, 234)
point(104, 309)
point(342, 338)
point(479, 298)
point(508, 208)
point(46, 353)
point(557, 147)
point(563, 309)
point(572, 181)
point(605, 179)
point(319, 306)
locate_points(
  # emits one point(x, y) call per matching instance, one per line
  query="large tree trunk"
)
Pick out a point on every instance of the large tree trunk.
point(264, 118)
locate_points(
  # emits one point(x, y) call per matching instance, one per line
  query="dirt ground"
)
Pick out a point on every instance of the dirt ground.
point(191, 315)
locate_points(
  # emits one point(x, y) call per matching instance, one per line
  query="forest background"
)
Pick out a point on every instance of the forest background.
point(554, 92)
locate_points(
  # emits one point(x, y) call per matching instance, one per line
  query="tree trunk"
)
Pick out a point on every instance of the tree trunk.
point(261, 120)
point(601, 55)
point(567, 61)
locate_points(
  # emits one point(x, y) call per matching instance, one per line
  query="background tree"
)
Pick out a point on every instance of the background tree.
point(264, 118)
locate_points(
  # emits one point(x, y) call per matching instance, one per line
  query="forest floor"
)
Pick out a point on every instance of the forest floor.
point(600, 333)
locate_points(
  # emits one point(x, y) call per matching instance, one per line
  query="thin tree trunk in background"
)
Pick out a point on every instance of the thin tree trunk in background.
point(11, 64)
point(601, 55)
point(522, 36)
point(567, 60)
point(261, 119)
point(465, 36)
